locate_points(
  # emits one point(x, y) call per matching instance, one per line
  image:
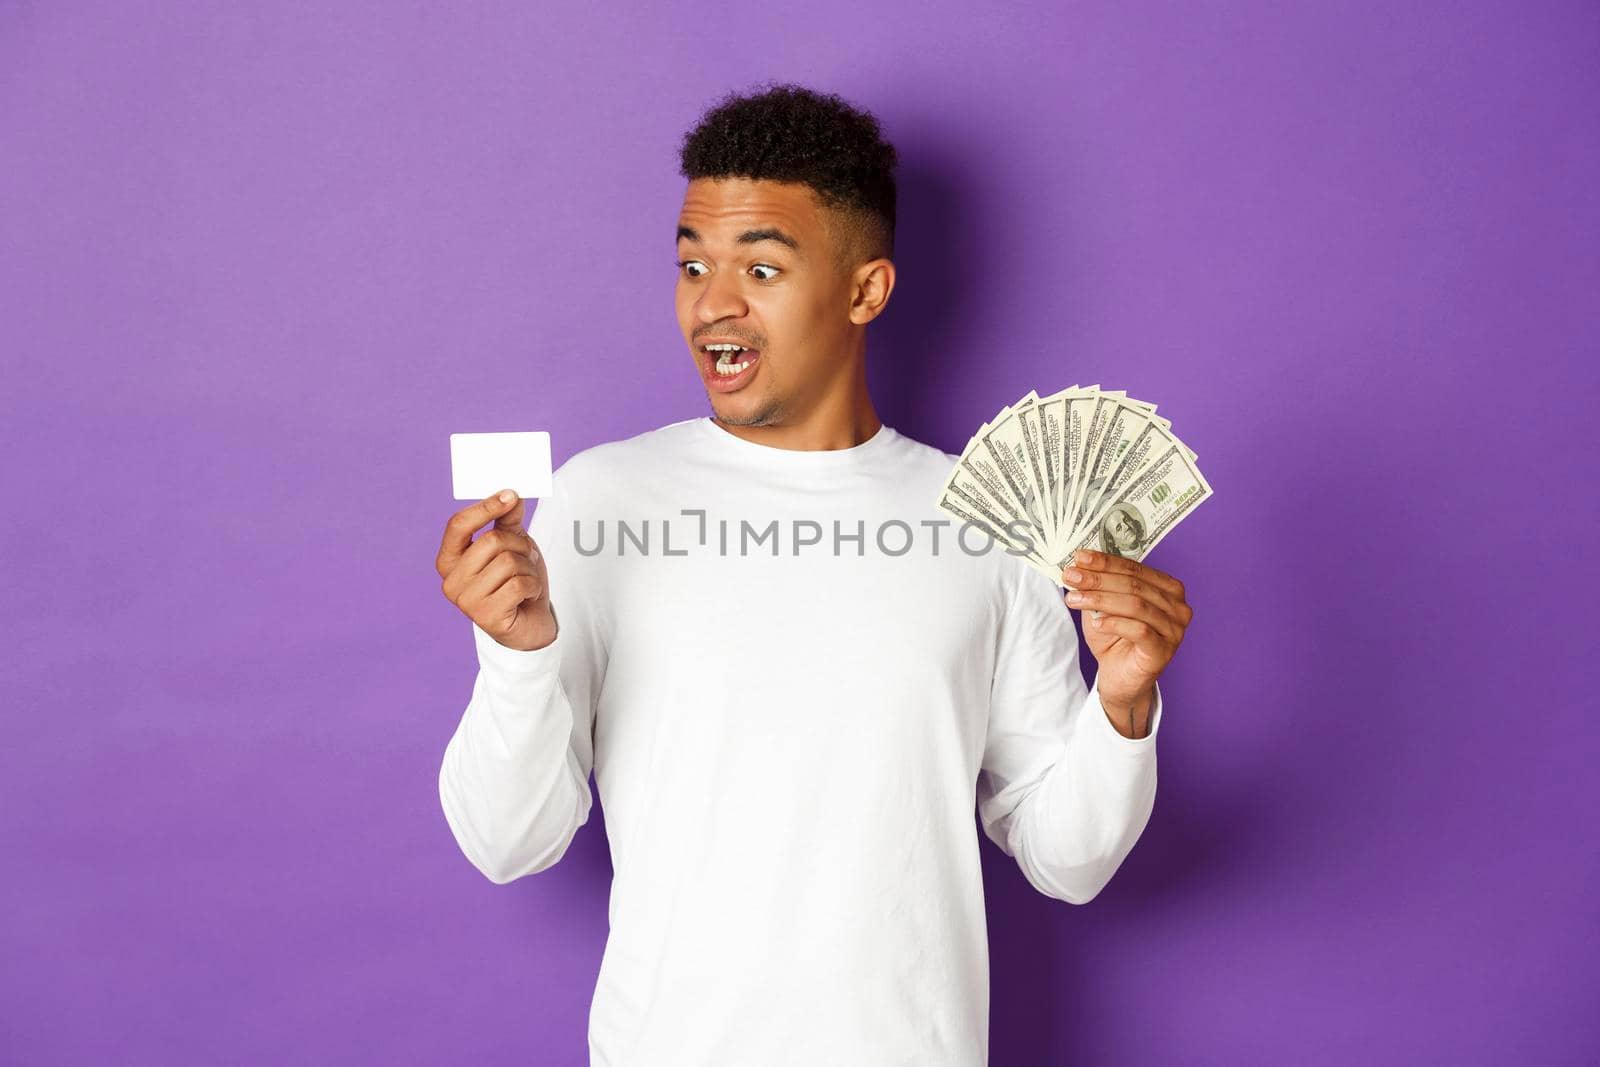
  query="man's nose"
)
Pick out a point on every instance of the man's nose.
point(720, 299)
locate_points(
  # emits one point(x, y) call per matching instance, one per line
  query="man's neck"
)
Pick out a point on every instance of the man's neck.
point(822, 430)
point(843, 418)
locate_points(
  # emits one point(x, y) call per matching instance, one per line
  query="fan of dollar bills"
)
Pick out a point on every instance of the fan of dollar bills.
point(1082, 468)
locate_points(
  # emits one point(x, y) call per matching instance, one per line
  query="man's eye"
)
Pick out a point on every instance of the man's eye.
point(682, 264)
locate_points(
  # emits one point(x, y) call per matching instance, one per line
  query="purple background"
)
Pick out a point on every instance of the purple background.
point(255, 266)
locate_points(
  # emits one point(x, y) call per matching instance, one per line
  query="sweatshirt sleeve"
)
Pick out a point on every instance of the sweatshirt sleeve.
point(514, 781)
point(1059, 789)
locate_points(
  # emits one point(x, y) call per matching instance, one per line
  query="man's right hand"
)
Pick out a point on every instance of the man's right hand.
point(498, 581)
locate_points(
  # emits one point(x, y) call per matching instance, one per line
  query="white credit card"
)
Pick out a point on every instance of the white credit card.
point(482, 464)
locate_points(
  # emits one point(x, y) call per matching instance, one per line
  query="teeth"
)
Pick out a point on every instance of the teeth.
point(727, 369)
point(724, 348)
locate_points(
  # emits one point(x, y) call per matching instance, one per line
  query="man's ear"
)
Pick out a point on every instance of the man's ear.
point(871, 284)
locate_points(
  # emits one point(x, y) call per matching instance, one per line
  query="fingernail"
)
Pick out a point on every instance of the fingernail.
point(1072, 574)
point(1074, 597)
point(507, 496)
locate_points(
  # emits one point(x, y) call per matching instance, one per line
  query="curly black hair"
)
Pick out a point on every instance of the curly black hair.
point(788, 133)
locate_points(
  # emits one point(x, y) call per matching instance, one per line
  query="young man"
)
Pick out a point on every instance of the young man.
point(792, 679)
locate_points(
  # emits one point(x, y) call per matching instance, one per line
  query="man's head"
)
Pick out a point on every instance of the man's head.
point(784, 243)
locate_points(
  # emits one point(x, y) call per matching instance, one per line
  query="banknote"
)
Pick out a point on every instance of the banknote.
point(1083, 467)
point(1134, 521)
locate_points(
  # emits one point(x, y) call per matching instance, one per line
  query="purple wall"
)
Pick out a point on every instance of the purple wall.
point(254, 269)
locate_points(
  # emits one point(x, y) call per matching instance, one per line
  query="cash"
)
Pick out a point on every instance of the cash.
point(1082, 468)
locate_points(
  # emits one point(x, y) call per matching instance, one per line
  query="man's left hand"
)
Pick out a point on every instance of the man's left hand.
point(1134, 618)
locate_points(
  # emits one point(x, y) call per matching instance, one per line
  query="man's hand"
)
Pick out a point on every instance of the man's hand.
point(498, 581)
point(1135, 617)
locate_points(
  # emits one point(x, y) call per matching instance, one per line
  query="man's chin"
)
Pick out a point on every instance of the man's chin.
point(734, 411)
point(741, 408)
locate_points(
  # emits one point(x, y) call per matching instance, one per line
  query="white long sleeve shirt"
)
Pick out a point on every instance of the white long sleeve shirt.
point(789, 727)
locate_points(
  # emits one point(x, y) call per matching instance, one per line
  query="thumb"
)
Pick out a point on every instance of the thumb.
point(508, 514)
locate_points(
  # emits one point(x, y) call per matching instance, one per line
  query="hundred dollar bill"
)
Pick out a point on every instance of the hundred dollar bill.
point(1079, 406)
point(1081, 467)
point(1128, 430)
point(958, 506)
point(1136, 452)
point(964, 499)
point(1037, 469)
point(1004, 443)
point(976, 465)
point(978, 484)
point(1103, 404)
point(1166, 424)
point(1127, 424)
point(1050, 414)
point(1135, 520)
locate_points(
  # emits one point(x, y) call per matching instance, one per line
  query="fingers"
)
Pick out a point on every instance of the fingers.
point(1138, 631)
point(1100, 563)
point(1115, 574)
point(511, 518)
point(472, 582)
point(1134, 584)
point(459, 529)
point(480, 554)
point(1128, 606)
point(508, 580)
point(503, 602)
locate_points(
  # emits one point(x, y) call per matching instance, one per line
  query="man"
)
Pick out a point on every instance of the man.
point(790, 689)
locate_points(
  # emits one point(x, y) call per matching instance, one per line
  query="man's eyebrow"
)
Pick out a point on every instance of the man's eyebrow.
point(748, 237)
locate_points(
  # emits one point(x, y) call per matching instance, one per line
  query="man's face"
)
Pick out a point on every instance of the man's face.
point(759, 269)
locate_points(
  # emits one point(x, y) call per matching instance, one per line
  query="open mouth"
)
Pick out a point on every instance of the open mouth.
point(726, 361)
